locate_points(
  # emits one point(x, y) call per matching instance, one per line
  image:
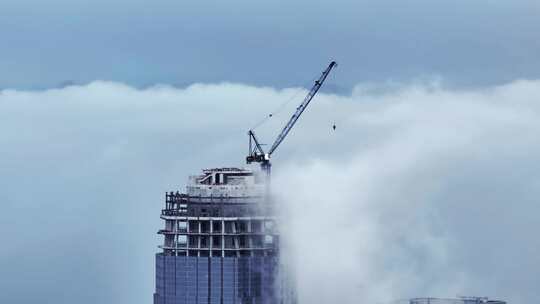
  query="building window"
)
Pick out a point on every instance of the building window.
point(256, 226)
point(269, 225)
point(216, 241)
point(229, 243)
point(228, 227)
point(193, 242)
point(182, 226)
point(193, 226)
point(205, 227)
point(243, 241)
point(257, 241)
point(216, 226)
point(204, 242)
point(242, 226)
point(182, 241)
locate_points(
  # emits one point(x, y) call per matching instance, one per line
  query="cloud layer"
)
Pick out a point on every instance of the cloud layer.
point(432, 194)
point(419, 191)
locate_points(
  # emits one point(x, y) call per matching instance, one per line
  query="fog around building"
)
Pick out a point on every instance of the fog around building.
point(420, 191)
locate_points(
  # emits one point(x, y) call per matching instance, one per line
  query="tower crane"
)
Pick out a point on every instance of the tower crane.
point(256, 152)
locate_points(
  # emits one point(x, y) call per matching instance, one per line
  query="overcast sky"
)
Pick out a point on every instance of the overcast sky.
point(276, 43)
point(432, 174)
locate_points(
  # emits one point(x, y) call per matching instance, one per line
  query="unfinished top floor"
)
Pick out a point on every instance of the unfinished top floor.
point(460, 300)
point(226, 182)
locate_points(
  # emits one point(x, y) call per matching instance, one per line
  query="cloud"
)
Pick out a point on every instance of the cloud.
point(421, 190)
point(426, 192)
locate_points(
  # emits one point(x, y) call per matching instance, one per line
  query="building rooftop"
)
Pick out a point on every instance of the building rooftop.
point(225, 182)
point(460, 300)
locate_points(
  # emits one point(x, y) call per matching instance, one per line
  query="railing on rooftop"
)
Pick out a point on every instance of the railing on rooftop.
point(174, 212)
point(180, 198)
point(464, 300)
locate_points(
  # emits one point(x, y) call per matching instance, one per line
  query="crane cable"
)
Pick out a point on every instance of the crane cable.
point(281, 107)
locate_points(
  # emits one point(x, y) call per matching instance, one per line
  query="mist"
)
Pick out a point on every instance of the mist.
point(420, 191)
point(423, 192)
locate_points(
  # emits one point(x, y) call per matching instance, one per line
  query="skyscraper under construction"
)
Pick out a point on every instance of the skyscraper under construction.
point(221, 244)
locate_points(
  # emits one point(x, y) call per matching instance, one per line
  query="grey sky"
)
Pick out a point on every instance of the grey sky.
point(276, 43)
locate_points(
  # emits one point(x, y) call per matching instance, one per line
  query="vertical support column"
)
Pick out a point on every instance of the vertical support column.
point(199, 238)
point(236, 239)
point(175, 229)
point(222, 236)
point(250, 237)
point(211, 238)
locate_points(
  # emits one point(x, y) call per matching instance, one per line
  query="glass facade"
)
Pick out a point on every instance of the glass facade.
point(215, 280)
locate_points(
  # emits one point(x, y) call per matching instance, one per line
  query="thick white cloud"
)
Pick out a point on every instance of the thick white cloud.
point(422, 191)
point(419, 191)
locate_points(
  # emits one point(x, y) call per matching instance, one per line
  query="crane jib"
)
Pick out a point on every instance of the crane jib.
point(256, 153)
point(301, 108)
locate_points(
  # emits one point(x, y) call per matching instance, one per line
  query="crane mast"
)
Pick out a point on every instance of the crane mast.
point(256, 152)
